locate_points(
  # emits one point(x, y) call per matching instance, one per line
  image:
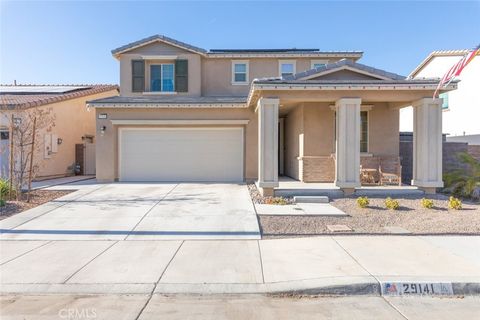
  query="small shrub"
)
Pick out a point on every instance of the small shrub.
point(276, 201)
point(427, 203)
point(2, 203)
point(363, 202)
point(454, 203)
point(5, 189)
point(391, 204)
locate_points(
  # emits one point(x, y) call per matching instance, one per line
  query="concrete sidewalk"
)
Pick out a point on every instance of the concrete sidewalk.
point(321, 265)
point(145, 307)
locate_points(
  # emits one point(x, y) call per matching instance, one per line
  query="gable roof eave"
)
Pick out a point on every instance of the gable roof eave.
point(157, 38)
point(434, 54)
point(379, 77)
point(346, 64)
point(275, 84)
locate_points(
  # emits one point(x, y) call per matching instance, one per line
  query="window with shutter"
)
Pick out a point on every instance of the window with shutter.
point(181, 75)
point(138, 75)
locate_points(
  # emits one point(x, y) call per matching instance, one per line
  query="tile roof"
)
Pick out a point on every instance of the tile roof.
point(350, 82)
point(234, 52)
point(157, 37)
point(168, 99)
point(16, 99)
point(343, 64)
point(261, 50)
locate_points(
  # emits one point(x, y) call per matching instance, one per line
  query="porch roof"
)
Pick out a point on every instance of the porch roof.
point(318, 89)
point(168, 101)
point(342, 65)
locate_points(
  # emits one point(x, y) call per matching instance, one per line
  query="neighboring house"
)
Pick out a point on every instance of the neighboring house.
point(461, 108)
point(188, 114)
point(74, 124)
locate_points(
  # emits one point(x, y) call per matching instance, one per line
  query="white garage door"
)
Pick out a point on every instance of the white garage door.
point(181, 154)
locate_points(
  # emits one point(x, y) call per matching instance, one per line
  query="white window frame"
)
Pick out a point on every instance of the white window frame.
point(366, 108)
point(313, 62)
point(281, 62)
point(161, 78)
point(247, 78)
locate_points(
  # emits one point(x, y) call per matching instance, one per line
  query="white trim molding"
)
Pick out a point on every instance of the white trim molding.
point(241, 83)
point(316, 61)
point(167, 105)
point(159, 57)
point(290, 61)
point(179, 122)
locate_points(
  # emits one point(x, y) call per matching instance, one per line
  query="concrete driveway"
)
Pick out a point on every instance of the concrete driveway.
point(140, 211)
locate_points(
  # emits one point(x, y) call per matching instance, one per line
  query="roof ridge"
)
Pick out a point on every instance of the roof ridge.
point(56, 85)
point(161, 37)
point(341, 63)
point(11, 100)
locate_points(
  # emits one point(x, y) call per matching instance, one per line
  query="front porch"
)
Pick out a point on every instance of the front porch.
point(335, 128)
point(288, 187)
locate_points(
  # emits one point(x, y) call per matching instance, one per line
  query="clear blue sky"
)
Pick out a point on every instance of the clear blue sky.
point(70, 42)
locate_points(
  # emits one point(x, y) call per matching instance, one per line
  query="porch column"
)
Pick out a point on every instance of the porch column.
point(427, 144)
point(267, 109)
point(347, 154)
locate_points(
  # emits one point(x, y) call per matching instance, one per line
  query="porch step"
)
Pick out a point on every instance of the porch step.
point(311, 199)
point(330, 193)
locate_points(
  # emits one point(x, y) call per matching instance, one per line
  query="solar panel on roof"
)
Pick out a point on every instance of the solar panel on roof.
point(39, 89)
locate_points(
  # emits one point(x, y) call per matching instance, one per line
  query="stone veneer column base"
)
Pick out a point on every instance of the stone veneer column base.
point(267, 192)
point(348, 191)
point(428, 190)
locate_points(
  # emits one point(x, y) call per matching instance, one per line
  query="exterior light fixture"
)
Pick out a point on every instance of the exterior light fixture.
point(59, 141)
point(102, 130)
point(17, 121)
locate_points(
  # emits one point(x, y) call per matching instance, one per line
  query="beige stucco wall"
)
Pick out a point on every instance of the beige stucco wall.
point(206, 76)
point(72, 121)
point(194, 67)
point(383, 138)
point(313, 125)
point(217, 73)
point(107, 145)
point(293, 136)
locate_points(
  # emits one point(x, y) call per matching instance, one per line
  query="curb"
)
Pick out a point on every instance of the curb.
point(299, 288)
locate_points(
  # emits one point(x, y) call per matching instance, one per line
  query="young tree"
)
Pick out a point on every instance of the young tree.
point(29, 126)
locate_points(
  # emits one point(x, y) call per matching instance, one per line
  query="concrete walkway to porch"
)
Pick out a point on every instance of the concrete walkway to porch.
point(289, 187)
point(351, 265)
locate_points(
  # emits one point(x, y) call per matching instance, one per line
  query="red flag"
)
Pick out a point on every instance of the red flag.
point(456, 69)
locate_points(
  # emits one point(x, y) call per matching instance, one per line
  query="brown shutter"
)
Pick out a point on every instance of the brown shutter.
point(138, 75)
point(181, 75)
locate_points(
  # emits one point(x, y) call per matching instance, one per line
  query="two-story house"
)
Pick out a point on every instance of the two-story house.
point(461, 108)
point(188, 114)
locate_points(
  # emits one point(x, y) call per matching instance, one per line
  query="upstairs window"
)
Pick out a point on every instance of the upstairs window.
point(315, 64)
point(162, 78)
point(239, 72)
point(286, 68)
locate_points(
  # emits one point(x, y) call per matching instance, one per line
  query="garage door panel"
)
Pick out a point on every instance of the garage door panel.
point(181, 154)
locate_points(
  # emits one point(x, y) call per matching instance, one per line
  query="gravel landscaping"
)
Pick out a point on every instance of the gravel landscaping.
point(373, 219)
point(37, 197)
point(259, 199)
